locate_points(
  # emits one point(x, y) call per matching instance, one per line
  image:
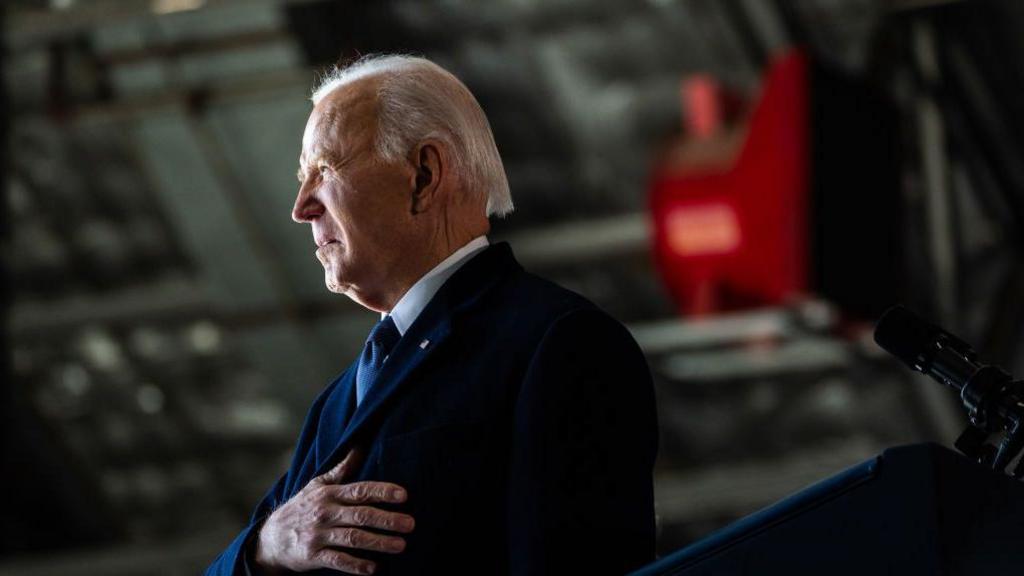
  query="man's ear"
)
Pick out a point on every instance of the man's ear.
point(429, 163)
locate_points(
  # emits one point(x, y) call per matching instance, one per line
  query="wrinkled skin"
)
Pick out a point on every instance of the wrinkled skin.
point(309, 531)
point(379, 225)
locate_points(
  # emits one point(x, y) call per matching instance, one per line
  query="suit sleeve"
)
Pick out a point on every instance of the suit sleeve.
point(236, 559)
point(585, 440)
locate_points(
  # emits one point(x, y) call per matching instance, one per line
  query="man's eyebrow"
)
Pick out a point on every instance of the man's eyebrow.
point(313, 161)
point(331, 159)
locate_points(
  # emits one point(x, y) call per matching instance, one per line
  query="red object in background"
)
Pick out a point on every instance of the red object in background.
point(702, 99)
point(734, 235)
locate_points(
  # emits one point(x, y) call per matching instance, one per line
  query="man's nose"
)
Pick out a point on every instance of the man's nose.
point(306, 206)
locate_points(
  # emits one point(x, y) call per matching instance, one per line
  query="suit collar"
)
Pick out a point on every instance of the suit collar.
point(412, 303)
point(469, 283)
point(426, 334)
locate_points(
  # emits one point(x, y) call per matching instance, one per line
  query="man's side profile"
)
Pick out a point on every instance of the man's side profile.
point(494, 423)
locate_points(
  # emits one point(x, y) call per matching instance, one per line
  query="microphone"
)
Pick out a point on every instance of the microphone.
point(993, 401)
point(927, 348)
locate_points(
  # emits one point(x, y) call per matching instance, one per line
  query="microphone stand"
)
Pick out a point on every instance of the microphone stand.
point(995, 405)
point(993, 399)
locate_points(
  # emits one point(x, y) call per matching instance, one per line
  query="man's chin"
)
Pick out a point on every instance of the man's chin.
point(334, 285)
point(333, 282)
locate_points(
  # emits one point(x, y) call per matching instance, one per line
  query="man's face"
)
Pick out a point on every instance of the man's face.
point(358, 205)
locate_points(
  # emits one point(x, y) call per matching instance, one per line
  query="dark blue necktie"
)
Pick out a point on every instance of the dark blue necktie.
point(379, 343)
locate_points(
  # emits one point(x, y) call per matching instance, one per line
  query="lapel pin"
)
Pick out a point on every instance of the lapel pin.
point(424, 344)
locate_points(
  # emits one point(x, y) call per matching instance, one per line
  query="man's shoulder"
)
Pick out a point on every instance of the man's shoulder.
point(523, 306)
point(530, 294)
point(533, 305)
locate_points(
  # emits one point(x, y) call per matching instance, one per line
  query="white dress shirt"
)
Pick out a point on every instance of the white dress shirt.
point(416, 299)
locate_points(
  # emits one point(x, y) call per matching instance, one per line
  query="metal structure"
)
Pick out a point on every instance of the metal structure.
point(169, 325)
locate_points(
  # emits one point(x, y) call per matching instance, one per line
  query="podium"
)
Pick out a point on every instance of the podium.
point(913, 510)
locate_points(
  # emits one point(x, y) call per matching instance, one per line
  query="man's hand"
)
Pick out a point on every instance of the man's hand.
point(308, 530)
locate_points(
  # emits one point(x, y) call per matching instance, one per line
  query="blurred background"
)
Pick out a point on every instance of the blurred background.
point(746, 184)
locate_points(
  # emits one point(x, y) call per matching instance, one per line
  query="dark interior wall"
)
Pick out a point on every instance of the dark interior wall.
point(856, 194)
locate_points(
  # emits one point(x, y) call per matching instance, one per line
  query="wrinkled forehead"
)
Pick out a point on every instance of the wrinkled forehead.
point(344, 121)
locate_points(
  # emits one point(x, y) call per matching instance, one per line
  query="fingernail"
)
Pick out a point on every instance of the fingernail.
point(369, 568)
point(398, 494)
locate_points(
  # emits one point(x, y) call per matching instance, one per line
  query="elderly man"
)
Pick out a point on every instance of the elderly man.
point(494, 423)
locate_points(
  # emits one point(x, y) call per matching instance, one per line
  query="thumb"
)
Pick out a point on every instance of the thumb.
point(343, 469)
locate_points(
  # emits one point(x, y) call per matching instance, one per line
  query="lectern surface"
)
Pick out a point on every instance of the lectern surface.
point(918, 509)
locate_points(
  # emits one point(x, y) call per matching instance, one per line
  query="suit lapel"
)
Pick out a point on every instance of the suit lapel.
point(335, 416)
point(409, 354)
point(425, 336)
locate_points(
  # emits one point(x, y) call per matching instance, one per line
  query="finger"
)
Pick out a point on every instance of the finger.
point(369, 517)
point(364, 540)
point(343, 469)
point(364, 492)
point(338, 560)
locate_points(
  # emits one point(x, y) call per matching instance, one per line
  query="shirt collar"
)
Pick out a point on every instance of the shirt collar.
point(416, 299)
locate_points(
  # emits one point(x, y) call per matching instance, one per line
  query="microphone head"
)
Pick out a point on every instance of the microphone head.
point(905, 335)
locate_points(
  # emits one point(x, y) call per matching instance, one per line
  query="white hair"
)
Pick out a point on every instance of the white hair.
point(417, 99)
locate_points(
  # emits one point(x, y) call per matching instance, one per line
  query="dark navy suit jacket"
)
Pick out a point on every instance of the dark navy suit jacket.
point(519, 417)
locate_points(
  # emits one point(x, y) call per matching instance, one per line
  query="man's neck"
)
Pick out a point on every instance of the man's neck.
point(425, 264)
point(408, 307)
